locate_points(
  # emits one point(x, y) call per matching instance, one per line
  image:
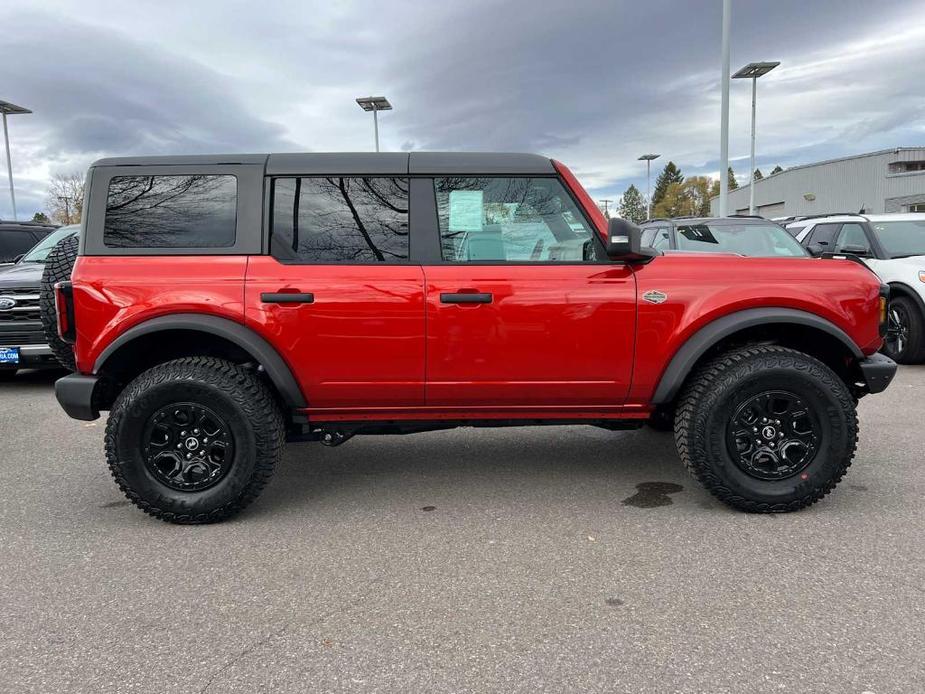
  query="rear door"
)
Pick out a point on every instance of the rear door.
point(823, 235)
point(338, 295)
point(523, 308)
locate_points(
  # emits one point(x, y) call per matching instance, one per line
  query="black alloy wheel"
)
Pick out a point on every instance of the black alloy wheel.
point(187, 446)
point(773, 435)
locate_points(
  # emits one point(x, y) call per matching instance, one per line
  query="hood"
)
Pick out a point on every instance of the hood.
point(21, 275)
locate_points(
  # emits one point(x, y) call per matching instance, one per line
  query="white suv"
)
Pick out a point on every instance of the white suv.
point(893, 246)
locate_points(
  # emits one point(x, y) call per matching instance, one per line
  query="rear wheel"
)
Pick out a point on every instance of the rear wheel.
point(58, 267)
point(905, 339)
point(194, 440)
point(766, 429)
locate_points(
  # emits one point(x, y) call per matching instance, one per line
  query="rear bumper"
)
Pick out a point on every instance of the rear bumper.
point(75, 395)
point(878, 370)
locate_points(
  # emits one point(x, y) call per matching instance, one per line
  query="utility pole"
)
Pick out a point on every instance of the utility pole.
point(606, 204)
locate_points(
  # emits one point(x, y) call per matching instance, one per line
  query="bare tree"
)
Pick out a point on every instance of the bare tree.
point(66, 197)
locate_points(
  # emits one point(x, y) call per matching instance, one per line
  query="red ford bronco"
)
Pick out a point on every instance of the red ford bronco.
point(221, 305)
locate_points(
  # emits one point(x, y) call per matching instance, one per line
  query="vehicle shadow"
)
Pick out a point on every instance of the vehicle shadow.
point(29, 378)
point(471, 463)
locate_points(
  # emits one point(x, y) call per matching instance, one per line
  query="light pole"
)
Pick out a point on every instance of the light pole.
point(753, 71)
point(375, 104)
point(6, 108)
point(647, 158)
point(724, 114)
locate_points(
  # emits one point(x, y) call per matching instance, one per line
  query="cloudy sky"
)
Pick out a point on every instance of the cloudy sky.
point(593, 83)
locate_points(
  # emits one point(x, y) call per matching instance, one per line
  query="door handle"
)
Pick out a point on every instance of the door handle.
point(287, 298)
point(466, 298)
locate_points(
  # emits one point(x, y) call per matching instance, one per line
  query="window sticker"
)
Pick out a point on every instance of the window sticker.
point(466, 210)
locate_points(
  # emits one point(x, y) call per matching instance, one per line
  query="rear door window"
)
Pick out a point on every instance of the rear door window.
point(340, 220)
point(191, 211)
point(824, 235)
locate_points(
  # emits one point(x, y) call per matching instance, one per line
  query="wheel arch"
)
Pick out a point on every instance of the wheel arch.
point(192, 334)
point(788, 327)
point(903, 289)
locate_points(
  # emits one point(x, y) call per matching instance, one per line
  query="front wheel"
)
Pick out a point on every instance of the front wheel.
point(194, 440)
point(766, 429)
point(905, 338)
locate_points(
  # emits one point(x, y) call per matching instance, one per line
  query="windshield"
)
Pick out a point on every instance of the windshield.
point(901, 239)
point(40, 251)
point(763, 240)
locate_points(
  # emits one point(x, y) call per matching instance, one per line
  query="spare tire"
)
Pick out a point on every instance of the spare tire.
point(58, 266)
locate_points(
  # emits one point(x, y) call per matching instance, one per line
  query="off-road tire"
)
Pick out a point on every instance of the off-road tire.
point(236, 394)
point(914, 349)
point(706, 408)
point(58, 267)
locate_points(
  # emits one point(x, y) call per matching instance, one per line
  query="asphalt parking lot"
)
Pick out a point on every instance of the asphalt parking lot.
point(559, 559)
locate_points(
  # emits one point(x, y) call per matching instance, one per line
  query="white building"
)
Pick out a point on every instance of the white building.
point(891, 180)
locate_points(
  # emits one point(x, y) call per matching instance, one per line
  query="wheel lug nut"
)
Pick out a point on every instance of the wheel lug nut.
point(196, 431)
point(182, 433)
point(755, 429)
point(179, 445)
point(190, 455)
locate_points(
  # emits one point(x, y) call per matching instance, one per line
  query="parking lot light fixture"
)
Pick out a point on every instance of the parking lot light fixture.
point(753, 71)
point(375, 104)
point(647, 158)
point(6, 108)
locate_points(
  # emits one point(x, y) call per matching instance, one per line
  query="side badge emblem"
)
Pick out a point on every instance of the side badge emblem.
point(655, 297)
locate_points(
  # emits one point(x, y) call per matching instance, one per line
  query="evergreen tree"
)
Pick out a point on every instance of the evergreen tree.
point(632, 206)
point(670, 174)
point(41, 218)
point(777, 169)
point(732, 183)
point(758, 175)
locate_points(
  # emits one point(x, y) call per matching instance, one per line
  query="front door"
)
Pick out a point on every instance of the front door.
point(523, 308)
point(338, 296)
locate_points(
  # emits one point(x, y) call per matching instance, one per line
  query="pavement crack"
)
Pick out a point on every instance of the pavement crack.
point(247, 650)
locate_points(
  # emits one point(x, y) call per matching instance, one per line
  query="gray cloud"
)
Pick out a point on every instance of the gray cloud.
point(593, 83)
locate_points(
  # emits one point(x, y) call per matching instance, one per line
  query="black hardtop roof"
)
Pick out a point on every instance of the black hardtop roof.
point(9, 223)
point(358, 163)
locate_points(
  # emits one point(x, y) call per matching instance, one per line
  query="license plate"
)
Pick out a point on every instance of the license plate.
point(9, 355)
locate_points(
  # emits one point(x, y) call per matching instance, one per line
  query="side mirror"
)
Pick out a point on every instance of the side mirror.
point(860, 251)
point(624, 242)
point(815, 249)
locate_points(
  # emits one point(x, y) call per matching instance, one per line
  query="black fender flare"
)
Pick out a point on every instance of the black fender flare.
point(262, 351)
point(697, 344)
point(903, 289)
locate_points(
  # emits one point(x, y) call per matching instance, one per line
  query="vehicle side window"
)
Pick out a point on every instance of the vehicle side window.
point(14, 243)
point(6, 246)
point(192, 211)
point(512, 219)
point(852, 235)
point(662, 239)
point(824, 235)
point(340, 220)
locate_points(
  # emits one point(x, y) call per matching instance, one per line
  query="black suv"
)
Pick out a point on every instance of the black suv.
point(22, 341)
point(749, 236)
point(18, 237)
